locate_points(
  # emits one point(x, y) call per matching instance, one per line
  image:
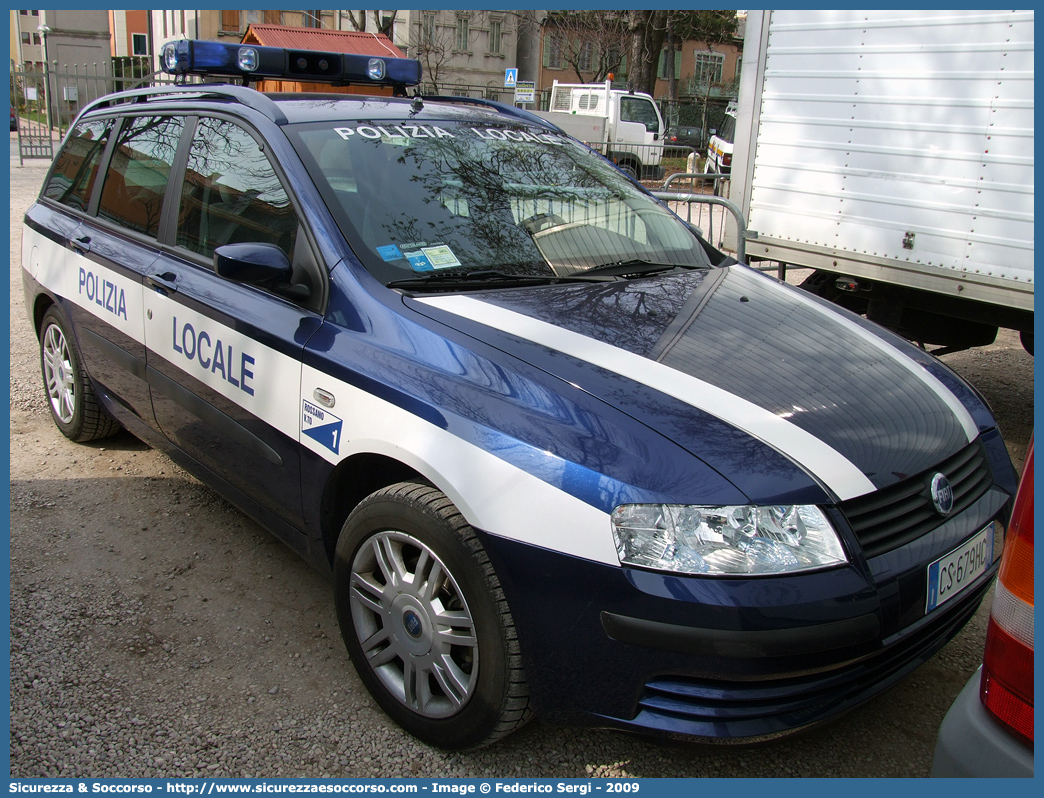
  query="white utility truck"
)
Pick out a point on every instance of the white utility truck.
point(624, 126)
point(892, 152)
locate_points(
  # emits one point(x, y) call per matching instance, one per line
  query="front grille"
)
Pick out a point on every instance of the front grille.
point(894, 516)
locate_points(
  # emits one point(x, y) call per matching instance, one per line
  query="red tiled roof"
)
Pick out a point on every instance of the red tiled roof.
point(329, 41)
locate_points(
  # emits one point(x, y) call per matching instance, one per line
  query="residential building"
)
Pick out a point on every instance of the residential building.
point(72, 37)
point(130, 33)
point(232, 25)
point(26, 41)
point(463, 53)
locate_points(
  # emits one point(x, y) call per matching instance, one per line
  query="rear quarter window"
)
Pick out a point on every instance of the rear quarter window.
point(76, 167)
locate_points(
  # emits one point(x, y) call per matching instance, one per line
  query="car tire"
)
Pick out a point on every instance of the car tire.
point(70, 396)
point(410, 575)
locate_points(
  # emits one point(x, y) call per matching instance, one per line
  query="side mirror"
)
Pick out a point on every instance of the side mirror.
point(255, 264)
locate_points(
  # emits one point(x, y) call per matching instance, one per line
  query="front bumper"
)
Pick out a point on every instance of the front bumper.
point(729, 660)
point(972, 744)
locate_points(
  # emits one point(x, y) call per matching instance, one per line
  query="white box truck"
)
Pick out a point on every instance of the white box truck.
point(892, 152)
point(624, 126)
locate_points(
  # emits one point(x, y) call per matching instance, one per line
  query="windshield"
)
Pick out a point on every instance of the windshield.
point(447, 198)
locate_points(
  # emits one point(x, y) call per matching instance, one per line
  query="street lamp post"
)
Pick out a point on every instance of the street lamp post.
point(44, 30)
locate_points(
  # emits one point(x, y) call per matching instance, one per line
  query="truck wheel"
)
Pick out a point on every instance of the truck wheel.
point(425, 620)
point(628, 170)
point(70, 396)
point(1026, 336)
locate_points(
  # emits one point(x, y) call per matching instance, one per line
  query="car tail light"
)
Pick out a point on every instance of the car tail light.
point(1006, 688)
point(726, 160)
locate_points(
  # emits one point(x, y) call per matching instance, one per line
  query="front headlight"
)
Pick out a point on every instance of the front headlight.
point(730, 541)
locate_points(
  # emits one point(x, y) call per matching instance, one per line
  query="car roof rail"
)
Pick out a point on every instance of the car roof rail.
point(504, 108)
point(240, 94)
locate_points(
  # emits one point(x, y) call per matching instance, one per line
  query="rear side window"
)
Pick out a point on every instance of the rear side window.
point(728, 129)
point(76, 167)
point(231, 193)
point(132, 195)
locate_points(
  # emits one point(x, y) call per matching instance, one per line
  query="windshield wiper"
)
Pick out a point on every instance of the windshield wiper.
point(636, 266)
point(442, 281)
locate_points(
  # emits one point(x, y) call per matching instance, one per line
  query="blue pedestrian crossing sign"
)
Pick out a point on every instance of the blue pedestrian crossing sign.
point(510, 78)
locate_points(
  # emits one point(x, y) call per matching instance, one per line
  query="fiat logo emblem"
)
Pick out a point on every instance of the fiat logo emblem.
point(412, 623)
point(942, 494)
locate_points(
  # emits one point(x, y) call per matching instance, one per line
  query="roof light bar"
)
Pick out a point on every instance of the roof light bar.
point(188, 56)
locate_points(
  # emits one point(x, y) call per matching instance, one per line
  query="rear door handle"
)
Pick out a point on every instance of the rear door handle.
point(166, 282)
point(82, 244)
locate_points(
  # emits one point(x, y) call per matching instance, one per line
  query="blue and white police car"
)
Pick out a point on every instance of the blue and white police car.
point(559, 455)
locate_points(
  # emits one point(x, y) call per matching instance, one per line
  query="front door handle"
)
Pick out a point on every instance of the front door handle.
point(165, 283)
point(82, 244)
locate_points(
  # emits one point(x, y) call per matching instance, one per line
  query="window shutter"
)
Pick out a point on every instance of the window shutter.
point(677, 64)
point(659, 64)
point(547, 51)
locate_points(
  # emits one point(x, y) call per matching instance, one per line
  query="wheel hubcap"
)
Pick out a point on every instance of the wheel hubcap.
point(58, 374)
point(413, 624)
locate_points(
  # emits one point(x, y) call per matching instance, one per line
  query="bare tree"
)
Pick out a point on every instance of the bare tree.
point(380, 22)
point(435, 44)
point(593, 43)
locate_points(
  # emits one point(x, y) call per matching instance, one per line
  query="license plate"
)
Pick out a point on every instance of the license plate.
point(951, 574)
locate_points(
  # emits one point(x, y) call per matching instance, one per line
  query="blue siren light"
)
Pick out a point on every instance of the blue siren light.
point(189, 56)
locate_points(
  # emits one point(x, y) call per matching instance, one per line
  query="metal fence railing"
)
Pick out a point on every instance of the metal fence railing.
point(47, 100)
point(710, 214)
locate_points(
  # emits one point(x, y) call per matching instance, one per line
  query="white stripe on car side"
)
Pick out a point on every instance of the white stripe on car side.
point(490, 493)
point(824, 462)
point(929, 380)
point(58, 270)
point(160, 323)
point(261, 380)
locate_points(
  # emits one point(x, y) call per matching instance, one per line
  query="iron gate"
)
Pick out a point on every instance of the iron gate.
point(47, 100)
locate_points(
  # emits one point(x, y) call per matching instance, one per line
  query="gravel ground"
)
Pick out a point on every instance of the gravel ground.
point(158, 632)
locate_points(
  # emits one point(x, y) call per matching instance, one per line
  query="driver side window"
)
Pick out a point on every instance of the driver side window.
point(231, 193)
point(637, 109)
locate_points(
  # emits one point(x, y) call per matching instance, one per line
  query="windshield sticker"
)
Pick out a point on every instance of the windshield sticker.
point(419, 262)
point(401, 134)
point(389, 252)
point(440, 257)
